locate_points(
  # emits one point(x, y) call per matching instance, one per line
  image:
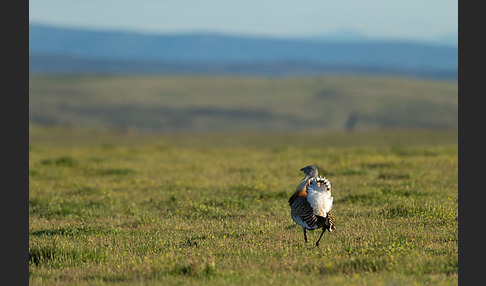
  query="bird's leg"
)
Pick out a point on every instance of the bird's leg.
point(305, 235)
point(323, 230)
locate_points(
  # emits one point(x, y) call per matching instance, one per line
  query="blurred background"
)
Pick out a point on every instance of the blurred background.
point(243, 66)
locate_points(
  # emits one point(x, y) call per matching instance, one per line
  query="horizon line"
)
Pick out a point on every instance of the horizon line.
point(331, 35)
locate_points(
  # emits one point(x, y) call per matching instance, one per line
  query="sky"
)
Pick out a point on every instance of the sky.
point(410, 19)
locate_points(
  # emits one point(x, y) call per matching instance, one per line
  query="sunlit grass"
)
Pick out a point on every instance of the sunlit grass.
point(161, 210)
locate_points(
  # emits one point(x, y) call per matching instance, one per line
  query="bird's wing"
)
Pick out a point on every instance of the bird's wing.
point(319, 196)
point(303, 214)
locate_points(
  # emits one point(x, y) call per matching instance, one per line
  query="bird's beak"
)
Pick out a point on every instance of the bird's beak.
point(302, 169)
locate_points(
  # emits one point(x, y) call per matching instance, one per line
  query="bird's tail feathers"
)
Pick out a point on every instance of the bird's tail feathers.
point(319, 196)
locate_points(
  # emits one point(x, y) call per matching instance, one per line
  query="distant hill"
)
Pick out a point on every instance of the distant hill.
point(229, 104)
point(61, 50)
point(348, 35)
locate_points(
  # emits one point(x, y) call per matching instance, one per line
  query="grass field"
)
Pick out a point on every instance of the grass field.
point(225, 104)
point(186, 209)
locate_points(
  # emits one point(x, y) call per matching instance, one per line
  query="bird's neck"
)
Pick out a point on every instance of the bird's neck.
point(300, 191)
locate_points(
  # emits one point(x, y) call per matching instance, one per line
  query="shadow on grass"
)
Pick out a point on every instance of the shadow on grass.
point(68, 230)
point(65, 161)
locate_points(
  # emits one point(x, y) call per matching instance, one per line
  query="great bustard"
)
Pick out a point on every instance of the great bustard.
point(311, 203)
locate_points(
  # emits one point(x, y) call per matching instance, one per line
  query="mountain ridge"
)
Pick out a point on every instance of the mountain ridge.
point(213, 49)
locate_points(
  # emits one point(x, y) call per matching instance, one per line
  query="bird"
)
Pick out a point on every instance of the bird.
point(311, 203)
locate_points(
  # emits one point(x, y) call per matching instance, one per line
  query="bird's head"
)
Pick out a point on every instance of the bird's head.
point(310, 172)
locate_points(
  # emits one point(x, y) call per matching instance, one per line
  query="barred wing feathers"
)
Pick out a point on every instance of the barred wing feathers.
point(302, 213)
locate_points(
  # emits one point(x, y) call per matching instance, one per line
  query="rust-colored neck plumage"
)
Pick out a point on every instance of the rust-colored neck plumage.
point(300, 191)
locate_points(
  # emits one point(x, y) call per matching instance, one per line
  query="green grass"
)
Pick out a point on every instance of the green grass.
point(225, 104)
point(147, 209)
